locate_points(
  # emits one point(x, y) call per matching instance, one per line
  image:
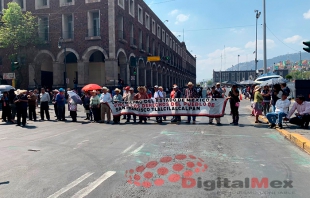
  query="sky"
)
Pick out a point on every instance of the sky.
point(217, 31)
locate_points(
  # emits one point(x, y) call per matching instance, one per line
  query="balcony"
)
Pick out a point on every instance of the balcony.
point(93, 34)
point(68, 36)
point(133, 43)
point(121, 36)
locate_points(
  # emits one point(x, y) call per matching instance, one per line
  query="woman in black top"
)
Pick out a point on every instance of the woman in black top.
point(234, 104)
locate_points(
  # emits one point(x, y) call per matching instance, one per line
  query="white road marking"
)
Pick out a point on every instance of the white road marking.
point(85, 191)
point(127, 149)
point(71, 185)
point(79, 144)
point(4, 138)
point(137, 150)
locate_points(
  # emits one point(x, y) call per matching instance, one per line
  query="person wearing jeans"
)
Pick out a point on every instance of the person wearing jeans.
point(191, 93)
point(281, 111)
point(303, 112)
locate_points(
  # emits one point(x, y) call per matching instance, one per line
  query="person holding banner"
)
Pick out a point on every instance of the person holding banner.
point(130, 97)
point(105, 98)
point(158, 95)
point(215, 94)
point(177, 94)
point(117, 98)
point(142, 95)
point(233, 95)
point(125, 94)
point(190, 92)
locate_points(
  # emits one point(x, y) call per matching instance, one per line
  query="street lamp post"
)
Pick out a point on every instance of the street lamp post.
point(60, 46)
point(264, 36)
point(257, 16)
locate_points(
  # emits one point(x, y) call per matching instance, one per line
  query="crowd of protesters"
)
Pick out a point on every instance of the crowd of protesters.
point(272, 102)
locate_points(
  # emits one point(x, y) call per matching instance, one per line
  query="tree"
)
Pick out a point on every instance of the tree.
point(289, 77)
point(19, 36)
point(210, 82)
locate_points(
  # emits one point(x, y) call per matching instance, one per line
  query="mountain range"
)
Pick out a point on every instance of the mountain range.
point(270, 62)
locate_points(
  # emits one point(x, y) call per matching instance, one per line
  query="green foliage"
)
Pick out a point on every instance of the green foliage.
point(210, 82)
point(289, 77)
point(299, 75)
point(19, 29)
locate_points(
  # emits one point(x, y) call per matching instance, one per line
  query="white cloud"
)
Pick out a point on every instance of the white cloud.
point(251, 44)
point(293, 39)
point(181, 18)
point(173, 12)
point(307, 15)
point(212, 61)
point(237, 31)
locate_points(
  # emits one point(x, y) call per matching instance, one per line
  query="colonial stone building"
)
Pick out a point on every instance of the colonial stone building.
point(104, 40)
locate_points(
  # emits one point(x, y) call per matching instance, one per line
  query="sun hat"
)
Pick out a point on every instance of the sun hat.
point(190, 83)
point(257, 87)
point(218, 83)
point(175, 86)
point(104, 88)
point(156, 86)
point(117, 90)
point(94, 91)
point(141, 88)
point(127, 88)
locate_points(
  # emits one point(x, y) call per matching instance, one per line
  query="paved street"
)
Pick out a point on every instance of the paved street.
point(57, 159)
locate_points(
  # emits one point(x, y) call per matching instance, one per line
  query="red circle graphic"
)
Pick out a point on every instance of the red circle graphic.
point(177, 167)
point(165, 159)
point(162, 171)
point(174, 177)
point(151, 164)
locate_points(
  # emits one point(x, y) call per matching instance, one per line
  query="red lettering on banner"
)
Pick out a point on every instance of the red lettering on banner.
point(172, 104)
point(204, 104)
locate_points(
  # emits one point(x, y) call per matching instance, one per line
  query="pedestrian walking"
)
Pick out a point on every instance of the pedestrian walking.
point(117, 98)
point(32, 104)
point(191, 93)
point(6, 110)
point(215, 94)
point(60, 100)
point(21, 102)
point(234, 101)
point(258, 99)
point(44, 104)
point(105, 98)
point(72, 107)
point(266, 93)
point(142, 95)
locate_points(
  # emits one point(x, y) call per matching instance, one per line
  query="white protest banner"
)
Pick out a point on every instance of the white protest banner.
point(170, 107)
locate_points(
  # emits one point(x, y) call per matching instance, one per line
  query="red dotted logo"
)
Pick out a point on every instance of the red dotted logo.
point(167, 169)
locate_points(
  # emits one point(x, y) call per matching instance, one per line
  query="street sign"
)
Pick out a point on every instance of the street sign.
point(8, 76)
point(153, 58)
point(133, 77)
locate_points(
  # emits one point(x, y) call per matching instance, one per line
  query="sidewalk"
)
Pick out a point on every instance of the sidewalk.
point(296, 135)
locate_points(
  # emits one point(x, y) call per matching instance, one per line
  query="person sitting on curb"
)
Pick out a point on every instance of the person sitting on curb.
point(303, 112)
point(280, 112)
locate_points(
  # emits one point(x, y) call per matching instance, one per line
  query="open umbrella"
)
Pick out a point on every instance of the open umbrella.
point(91, 87)
point(273, 81)
point(76, 98)
point(229, 83)
point(248, 82)
point(4, 88)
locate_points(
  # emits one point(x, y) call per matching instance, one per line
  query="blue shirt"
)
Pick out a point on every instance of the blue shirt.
point(60, 100)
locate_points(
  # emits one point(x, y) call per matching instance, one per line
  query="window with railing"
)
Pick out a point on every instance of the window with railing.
point(68, 27)
point(163, 35)
point(93, 23)
point(43, 28)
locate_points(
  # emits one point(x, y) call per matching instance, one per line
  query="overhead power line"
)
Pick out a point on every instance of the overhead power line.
point(219, 28)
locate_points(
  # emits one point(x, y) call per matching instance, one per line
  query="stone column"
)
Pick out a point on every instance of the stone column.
point(145, 82)
point(58, 74)
point(32, 70)
point(111, 72)
point(137, 76)
point(83, 73)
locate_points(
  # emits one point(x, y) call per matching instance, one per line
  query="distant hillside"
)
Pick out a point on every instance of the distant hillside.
point(251, 65)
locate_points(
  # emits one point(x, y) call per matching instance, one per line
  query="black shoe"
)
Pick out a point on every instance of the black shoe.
point(272, 126)
point(18, 125)
point(236, 124)
point(218, 124)
point(280, 126)
point(127, 121)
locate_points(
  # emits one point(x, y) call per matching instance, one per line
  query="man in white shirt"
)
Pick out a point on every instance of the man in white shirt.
point(281, 111)
point(44, 101)
point(125, 94)
point(105, 98)
point(303, 112)
point(158, 95)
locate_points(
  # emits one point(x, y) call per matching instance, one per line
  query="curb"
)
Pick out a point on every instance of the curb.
point(295, 138)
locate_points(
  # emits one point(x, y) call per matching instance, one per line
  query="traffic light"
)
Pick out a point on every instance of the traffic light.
point(134, 71)
point(133, 62)
point(307, 49)
point(166, 58)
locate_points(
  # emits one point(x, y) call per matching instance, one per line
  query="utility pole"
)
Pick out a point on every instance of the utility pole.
point(257, 16)
point(265, 38)
point(221, 70)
